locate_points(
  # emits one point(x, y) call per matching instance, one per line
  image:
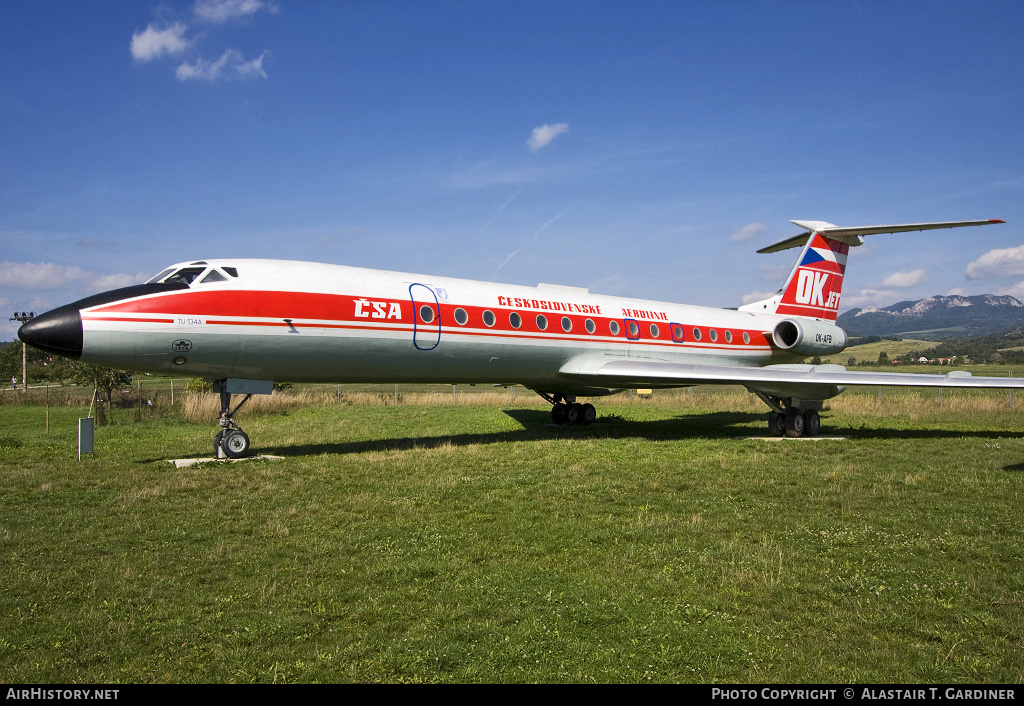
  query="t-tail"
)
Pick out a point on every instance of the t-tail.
point(814, 287)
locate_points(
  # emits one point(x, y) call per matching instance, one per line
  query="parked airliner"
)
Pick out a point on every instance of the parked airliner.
point(246, 323)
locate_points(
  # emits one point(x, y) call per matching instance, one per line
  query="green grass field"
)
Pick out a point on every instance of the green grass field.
point(427, 541)
point(869, 351)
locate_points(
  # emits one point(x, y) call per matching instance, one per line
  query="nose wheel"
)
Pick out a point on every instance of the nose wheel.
point(230, 441)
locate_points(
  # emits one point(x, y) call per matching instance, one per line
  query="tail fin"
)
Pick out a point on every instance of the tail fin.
point(815, 285)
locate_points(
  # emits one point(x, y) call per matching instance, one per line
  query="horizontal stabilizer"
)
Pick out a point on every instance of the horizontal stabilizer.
point(851, 235)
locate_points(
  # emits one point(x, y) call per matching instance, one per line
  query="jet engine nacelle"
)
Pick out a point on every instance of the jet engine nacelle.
point(806, 337)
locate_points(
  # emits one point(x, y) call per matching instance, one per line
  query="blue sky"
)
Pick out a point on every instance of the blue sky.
point(642, 149)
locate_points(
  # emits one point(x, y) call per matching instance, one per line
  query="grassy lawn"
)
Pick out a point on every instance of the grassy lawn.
point(869, 351)
point(436, 542)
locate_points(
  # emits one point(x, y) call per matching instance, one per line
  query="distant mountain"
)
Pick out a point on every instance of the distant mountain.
point(937, 317)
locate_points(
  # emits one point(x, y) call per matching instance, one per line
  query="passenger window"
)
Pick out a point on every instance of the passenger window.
point(566, 324)
point(461, 317)
point(489, 318)
point(678, 334)
point(613, 326)
point(654, 331)
point(728, 336)
point(515, 319)
point(542, 322)
point(746, 337)
point(696, 334)
point(714, 335)
point(591, 326)
point(426, 313)
point(633, 329)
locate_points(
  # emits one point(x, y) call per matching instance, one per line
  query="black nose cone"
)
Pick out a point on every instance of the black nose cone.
point(58, 331)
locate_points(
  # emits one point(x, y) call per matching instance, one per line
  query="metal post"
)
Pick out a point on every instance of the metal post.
point(86, 434)
point(23, 317)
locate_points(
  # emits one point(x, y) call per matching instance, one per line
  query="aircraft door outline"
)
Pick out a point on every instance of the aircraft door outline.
point(632, 328)
point(426, 333)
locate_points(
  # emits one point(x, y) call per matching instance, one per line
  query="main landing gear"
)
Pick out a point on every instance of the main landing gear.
point(792, 417)
point(566, 410)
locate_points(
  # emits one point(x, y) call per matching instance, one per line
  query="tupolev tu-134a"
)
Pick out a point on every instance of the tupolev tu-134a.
point(244, 323)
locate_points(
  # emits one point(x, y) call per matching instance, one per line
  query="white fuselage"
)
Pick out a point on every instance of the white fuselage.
point(297, 321)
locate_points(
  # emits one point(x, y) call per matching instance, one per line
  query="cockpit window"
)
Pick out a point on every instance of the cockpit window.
point(160, 276)
point(188, 275)
point(185, 275)
point(214, 276)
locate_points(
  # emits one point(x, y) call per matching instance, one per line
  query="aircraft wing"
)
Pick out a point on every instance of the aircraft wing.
point(795, 380)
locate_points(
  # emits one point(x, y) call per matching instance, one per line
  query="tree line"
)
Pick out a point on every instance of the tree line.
point(45, 368)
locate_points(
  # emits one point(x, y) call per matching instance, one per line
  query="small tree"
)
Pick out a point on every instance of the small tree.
point(883, 358)
point(106, 379)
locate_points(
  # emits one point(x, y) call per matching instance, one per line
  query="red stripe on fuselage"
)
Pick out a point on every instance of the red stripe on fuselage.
point(337, 311)
point(126, 318)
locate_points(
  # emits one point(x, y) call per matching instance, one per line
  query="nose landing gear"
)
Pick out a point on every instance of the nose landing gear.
point(231, 441)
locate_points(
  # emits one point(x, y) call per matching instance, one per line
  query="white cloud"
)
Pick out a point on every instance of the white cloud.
point(904, 279)
point(757, 296)
point(1016, 291)
point(869, 297)
point(218, 11)
point(747, 232)
point(155, 42)
point(43, 275)
point(1007, 262)
point(104, 283)
point(152, 43)
point(48, 275)
point(230, 66)
point(543, 135)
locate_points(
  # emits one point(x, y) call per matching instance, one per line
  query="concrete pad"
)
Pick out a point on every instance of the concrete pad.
point(789, 438)
point(186, 462)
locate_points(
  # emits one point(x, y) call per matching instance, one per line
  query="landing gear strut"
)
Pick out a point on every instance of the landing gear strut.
point(792, 417)
point(566, 410)
point(231, 441)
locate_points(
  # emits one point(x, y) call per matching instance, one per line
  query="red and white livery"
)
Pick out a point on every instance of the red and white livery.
point(247, 323)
